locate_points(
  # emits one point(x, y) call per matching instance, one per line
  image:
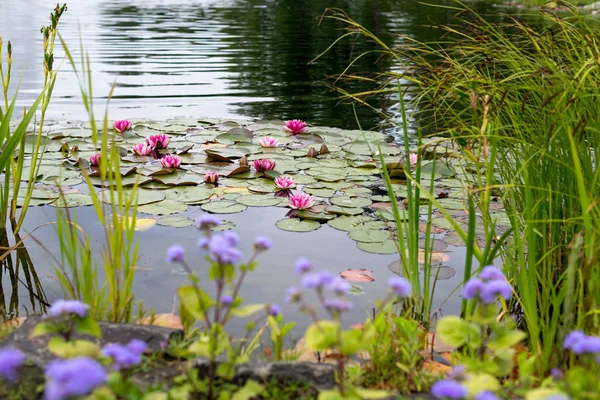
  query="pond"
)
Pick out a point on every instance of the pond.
point(218, 59)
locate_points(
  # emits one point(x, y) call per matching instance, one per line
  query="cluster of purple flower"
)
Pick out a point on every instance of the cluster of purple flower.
point(73, 377)
point(452, 388)
point(10, 361)
point(125, 356)
point(62, 308)
point(580, 343)
point(222, 247)
point(490, 285)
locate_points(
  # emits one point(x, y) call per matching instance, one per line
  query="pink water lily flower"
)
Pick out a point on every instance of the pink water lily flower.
point(95, 159)
point(265, 164)
point(142, 149)
point(171, 161)
point(158, 141)
point(412, 158)
point(122, 125)
point(211, 177)
point(295, 126)
point(284, 182)
point(268, 142)
point(300, 201)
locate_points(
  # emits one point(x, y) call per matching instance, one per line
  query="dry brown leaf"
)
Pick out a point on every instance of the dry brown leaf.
point(436, 367)
point(167, 320)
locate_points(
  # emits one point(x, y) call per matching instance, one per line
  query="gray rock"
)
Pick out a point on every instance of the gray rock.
point(36, 348)
point(318, 376)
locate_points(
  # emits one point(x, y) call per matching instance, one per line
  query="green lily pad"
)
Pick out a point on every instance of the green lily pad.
point(347, 222)
point(325, 193)
point(368, 235)
point(143, 196)
point(387, 246)
point(440, 272)
point(352, 202)
point(304, 214)
point(225, 226)
point(73, 200)
point(257, 200)
point(164, 207)
point(223, 207)
point(297, 225)
point(175, 222)
point(434, 244)
point(189, 194)
point(344, 210)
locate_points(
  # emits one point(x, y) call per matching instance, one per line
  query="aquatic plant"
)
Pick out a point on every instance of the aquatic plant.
point(158, 141)
point(170, 161)
point(295, 126)
point(211, 177)
point(284, 182)
point(142, 149)
point(300, 201)
point(268, 142)
point(122, 125)
point(265, 164)
point(95, 159)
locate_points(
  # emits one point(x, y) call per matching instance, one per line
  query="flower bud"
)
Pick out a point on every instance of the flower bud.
point(312, 152)
point(324, 149)
point(243, 161)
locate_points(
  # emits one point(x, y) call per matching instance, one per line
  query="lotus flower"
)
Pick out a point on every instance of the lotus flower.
point(284, 182)
point(268, 142)
point(95, 159)
point(211, 177)
point(295, 126)
point(265, 164)
point(300, 201)
point(122, 125)
point(142, 149)
point(159, 141)
point(171, 161)
point(412, 158)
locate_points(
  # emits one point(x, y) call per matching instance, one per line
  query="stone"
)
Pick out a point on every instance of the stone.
point(36, 351)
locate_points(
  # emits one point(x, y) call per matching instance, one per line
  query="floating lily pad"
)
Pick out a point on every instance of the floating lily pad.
point(368, 235)
point(439, 272)
point(319, 192)
point(434, 244)
point(225, 226)
point(223, 207)
point(73, 200)
point(344, 210)
point(143, 196)
point(347, 223)
point(164, 207)
point(297, 225)
point(358, 275)
point(345, 201)
point(257, 200)
point(175, 222)
point(386, 247)
point(304, 214)
point(189, 194)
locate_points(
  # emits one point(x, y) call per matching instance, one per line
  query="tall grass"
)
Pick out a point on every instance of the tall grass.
point(523, 104)
point(111, 295)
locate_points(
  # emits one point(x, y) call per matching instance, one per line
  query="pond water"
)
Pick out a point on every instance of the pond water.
point(222, 58)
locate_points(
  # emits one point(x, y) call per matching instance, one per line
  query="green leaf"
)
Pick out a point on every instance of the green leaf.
point(544, 393)
point(478, 383)
point(454, 330)
point(248, 310)
point(226, 370)
point(506, 340)
point(42, 329)
point(322, 335)
point(330, 395)
point(88, 326)
point(373, 394)
point(297, 225)
point(195, 302)
point(250, 390)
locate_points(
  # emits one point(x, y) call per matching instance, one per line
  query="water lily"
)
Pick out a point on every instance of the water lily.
point(122, 125)
point(171, 161)
point(265, 164)
point(300, 201)
point(142, 149)
point(268, 142)
point(312, 152)
point(158, 141)
point(412, 158)
point(295, 126)
point(284, 182)
point(95, 159)
point(211, 177)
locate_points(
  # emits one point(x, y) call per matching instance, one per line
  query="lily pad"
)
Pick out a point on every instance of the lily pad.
point(175, 222)
point(304, 214)
point(440, 272)
point(368, 235)
point(73, 200)
point(387, 246)
point(143, 196)
point(358, 275)
point(344, 210)
point(347, 223)
point(346, 201)
point(223, 207)
point(257, 200)
point(297, 225)
point(225, 226)
point(164, 207)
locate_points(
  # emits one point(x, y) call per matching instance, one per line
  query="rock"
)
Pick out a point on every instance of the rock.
point(318, 376)
point(36, 352)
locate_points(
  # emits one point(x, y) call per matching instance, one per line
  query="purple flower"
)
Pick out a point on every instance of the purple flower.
point(557, 374)
point(274, 310)
point(262, 243)
point(486, 395)
point(175, 254)
point(292, 295)
point(400, 287)
point(337, 305)
point(491, 273)
point(227, 299)
point(67, 307)
point(10, 361)
point(447, 389)
point(572, 339)
point(206, 222)
point(203, 242)
point(458, 373)
point(303, 265)
point(587, 345)
point(316, 280)
point(73, 377)
point(222, 248)
point(472, 288)
point(125, 357)
point(339, 286)
point(491, 290)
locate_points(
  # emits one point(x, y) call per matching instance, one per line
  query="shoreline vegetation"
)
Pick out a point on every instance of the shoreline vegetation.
point(505, 114)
